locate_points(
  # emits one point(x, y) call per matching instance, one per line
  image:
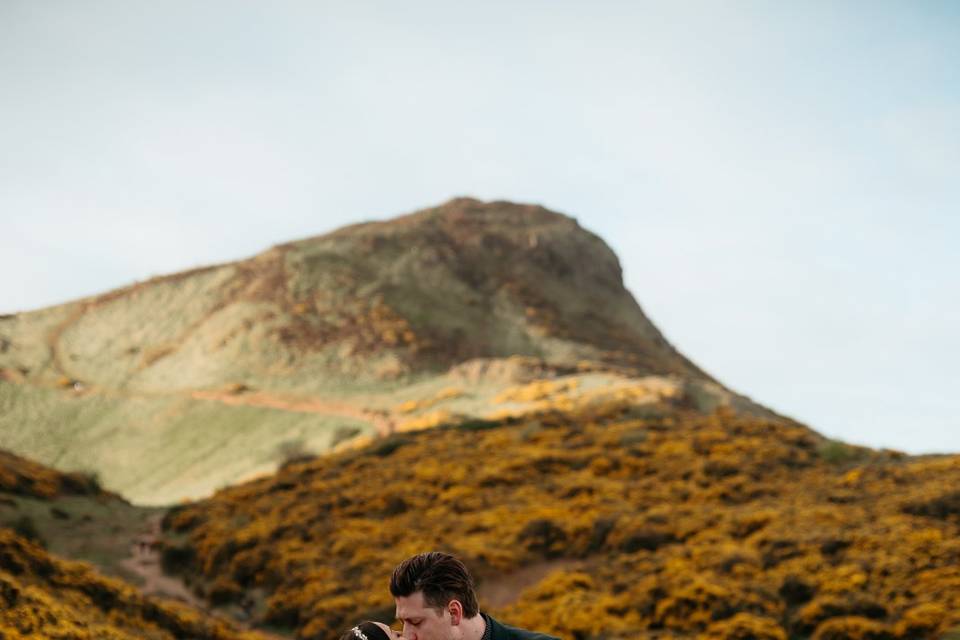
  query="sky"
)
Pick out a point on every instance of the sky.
point(779, 180)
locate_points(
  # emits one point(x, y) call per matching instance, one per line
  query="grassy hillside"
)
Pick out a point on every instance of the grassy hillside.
point(175, 386)
point(618, 521)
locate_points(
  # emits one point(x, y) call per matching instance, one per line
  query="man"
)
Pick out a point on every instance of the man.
point(436, 600)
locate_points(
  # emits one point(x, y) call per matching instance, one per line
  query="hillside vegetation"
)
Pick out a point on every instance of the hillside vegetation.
point(22, 477)
point(45, 596)
point(621, 521)
point(176, 386)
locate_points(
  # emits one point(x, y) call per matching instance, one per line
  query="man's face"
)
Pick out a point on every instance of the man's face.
point(420, 622)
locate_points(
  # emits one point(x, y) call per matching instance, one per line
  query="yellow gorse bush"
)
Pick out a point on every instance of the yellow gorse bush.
point(43, 597)
point(663, 524)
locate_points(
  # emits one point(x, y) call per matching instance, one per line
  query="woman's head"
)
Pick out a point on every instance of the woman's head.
point(369, 630)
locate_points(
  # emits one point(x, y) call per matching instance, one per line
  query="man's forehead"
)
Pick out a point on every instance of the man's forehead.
point(414, 603)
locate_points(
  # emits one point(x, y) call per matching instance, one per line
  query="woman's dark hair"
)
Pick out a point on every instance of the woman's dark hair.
point(366, 630)
point(441, 578)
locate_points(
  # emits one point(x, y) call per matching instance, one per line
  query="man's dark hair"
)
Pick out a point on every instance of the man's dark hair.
point(441, 578)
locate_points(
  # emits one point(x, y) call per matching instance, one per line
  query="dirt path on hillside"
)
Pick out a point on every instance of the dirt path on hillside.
point(382, 421)
point(144, 562)
point(504, 590)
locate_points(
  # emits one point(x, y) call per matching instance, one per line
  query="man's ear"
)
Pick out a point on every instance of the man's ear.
point(455, 609)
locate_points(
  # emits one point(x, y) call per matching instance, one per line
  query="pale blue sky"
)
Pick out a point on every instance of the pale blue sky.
point(780, 180)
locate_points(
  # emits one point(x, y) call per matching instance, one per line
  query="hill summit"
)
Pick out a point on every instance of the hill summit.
point(419, 293)
point(171, 387)
point(464, 280)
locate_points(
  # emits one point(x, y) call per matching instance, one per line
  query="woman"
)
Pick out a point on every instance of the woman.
point(369, 630)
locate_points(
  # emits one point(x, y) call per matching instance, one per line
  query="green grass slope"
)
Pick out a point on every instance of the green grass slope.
point(159, 449)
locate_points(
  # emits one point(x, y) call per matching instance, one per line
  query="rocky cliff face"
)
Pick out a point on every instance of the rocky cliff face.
point(470, 279)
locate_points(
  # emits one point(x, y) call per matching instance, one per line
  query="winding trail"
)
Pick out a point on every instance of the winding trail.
point(503, 590)
point(381, 420)
point(144, 562)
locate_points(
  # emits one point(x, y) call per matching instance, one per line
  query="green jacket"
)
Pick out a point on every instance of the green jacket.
point(500, 631)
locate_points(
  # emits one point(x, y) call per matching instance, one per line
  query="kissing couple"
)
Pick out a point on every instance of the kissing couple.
point(436, 600)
